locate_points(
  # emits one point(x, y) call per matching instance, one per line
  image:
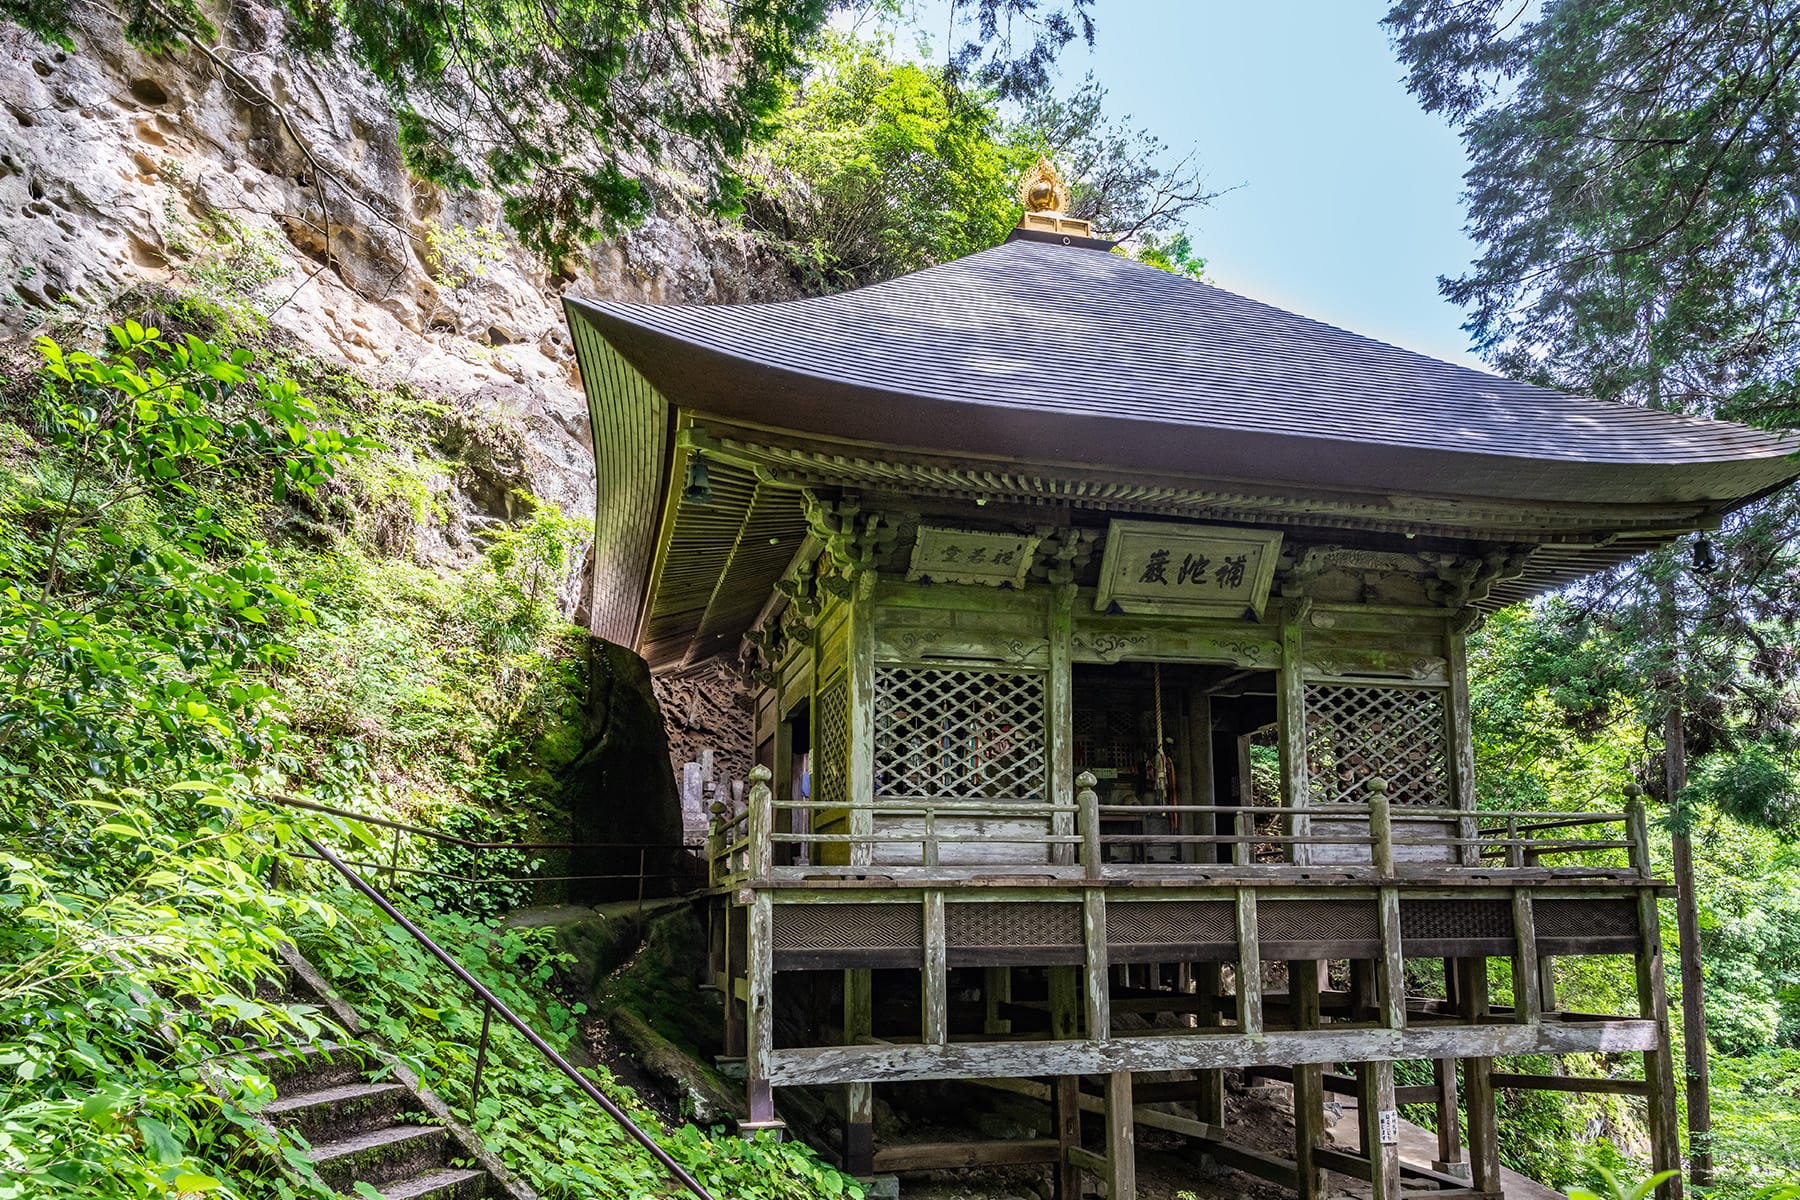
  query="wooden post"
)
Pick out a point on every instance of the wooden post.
point(1391, 978)
point(859, 1098)
point(1450, 1159)
point(1381, 826)
point(1121, 1144)
point(1379, 1124)
point(1249, 971)
point(1461, 746)
point(1065, 1090)
point(735, 945)
point(860, 717)
point(1637, 830)
point(1097, 987)
point(1062, 720)
point(996, 992)
point(1527, 1002)
point(1659, 1065)
point(934, 999)
point(761, 824)
point(760, 1036)
point(1087, 800)
point(1208, 985)
point(1478, 1080)
point(1309, 1083)
point(1290, 718)
point(714, 844)
point(1200, 772)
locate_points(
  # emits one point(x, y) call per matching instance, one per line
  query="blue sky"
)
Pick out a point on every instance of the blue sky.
point(1348, 209)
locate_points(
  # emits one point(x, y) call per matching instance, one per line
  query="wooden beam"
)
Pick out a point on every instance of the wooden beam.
point(1390, 987)
point(859, 1098)
point(1193, 1052)
point(1208, 983)
point(1061, 714)
point(1572, 1083)
point(944, 1156)
point(1290, 721)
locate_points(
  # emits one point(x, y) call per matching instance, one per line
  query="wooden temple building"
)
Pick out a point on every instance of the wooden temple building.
point(1106, 632)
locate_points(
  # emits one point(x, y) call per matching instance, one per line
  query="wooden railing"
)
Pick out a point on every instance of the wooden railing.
point(1375, 838)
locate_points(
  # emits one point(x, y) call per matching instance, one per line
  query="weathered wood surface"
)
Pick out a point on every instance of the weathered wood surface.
point(1199, 1051)
point(940, 1156)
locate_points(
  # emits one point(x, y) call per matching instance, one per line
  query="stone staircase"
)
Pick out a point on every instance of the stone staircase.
point(370, 1120)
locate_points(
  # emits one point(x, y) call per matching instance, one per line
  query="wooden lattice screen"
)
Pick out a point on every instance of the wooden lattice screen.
point(956, 733)
point(1354, 731)
point(831, 755)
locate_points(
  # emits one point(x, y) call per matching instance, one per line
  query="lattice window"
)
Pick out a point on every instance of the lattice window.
point(948, 733)
point(1354, 731)
point(831, 757)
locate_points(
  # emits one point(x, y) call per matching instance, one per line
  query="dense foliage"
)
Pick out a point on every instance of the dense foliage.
point(191, 545)
point(880, 166)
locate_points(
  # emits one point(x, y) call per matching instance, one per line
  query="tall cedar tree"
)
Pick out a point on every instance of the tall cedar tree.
point(1632, 189)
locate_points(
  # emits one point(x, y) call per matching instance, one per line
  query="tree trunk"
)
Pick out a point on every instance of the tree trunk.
point(1693, 991)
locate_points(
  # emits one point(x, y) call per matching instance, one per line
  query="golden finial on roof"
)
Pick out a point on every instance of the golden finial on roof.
point(1046, 199)
point(1043, 190)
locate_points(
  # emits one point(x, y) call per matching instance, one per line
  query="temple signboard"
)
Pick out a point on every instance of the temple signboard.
point(1194, 570)
point(943, 555)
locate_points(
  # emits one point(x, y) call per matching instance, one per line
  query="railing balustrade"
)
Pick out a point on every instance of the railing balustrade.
point(1377, 838)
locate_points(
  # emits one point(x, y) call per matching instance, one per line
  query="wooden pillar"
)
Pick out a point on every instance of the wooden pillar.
point(1061, 716)
point(736, 937)
point(1065, 1090)
point(1309, 1083)
point(1121, 1141)
point(1096, 984)
point(1527, 1001)
point(1208, 985)
point(1249, 972)
point(996, 992)
point(759, 1042)
point(860, 716)
point(1478, 1080)
point(1450, 1159)
point(859, 1098)
point(1461, 745)
point(1290, 718)
point(1200, 775)
point(1380, 1127)
point(934, 979)
point(1659, 1064)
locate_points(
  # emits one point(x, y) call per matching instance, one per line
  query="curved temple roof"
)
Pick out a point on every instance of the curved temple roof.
point(1058, 354)
point(1070, 370)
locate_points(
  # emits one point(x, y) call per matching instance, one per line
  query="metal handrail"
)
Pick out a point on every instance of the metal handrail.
point(440, 836)
point(493, 1004)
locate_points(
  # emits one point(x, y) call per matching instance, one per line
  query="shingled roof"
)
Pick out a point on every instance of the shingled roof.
point(1076, 356)
point(1048, 373)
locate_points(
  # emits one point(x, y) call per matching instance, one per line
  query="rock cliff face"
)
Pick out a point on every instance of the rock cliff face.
point(279, 181)
point(119, 168)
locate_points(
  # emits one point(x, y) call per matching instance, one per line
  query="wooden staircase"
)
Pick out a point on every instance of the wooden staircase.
point(368, 1119)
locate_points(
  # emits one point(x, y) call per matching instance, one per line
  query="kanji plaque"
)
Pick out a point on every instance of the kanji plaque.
point(1199, 570)
point(972, 556)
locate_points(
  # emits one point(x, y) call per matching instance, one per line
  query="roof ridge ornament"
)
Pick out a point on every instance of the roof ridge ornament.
point(1046, 199)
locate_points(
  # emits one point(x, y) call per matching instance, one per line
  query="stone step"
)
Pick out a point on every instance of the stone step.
point(381, 1156)
point(338, 1111)
point(447, 1184)
point(308, 1068)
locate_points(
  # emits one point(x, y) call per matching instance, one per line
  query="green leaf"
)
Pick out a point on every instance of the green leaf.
point(160, 1142)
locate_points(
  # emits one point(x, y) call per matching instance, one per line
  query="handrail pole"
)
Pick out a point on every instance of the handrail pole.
point(531, 1035)
point(487, 1018)
point(1088, 801)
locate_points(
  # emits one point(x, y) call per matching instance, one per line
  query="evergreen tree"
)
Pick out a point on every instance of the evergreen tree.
point(1632, 191)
